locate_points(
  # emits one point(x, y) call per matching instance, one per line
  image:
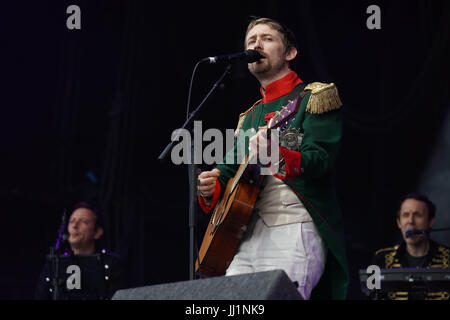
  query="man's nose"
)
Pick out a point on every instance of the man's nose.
point(258, 44)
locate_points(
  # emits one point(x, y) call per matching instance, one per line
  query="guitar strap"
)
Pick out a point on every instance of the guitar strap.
point(297, 91)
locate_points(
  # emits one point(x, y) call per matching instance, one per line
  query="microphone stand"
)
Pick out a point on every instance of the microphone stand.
point(193, 176)
point(410, 233)
point(61, 231)
point(441, 229)
point(54, 258)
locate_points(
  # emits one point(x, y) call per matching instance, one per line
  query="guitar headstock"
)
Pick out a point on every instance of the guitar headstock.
point(285, 114)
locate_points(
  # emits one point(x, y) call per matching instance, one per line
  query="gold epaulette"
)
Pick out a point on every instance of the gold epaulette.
point(387, 249)
point(441, 259)
point(324, 97)
point(242, 119)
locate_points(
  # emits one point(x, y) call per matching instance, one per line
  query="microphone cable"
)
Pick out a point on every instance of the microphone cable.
point(190, 87)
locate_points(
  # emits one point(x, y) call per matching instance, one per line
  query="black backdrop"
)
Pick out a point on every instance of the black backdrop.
point(85, 114)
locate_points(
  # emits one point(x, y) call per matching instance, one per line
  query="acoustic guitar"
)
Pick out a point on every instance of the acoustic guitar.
point(233, 211)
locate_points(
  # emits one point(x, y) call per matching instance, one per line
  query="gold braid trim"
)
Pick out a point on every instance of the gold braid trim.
point(441, 295)
point(398, 295)
point(240, 123)
point(385, 249)
point(324, 97)
point(389, 258)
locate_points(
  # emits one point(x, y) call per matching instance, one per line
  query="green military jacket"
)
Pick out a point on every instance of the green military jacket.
point(309, 171)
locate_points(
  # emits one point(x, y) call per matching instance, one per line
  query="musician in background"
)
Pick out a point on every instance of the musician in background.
point(297, 224)
point(416, 212)
point(85, 228)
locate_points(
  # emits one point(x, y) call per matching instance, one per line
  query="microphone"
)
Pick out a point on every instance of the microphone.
point(412, 232)
point(248, 55)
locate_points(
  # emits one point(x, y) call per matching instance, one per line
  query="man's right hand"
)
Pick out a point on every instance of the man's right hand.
point(207, 182)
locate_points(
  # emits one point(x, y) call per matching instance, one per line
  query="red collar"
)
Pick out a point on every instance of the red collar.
point(280, 87)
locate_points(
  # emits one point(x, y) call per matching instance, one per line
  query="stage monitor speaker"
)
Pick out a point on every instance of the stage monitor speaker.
point(268, 285)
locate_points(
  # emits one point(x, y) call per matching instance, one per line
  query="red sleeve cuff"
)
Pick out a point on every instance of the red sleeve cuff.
point(292, 161)
point(215, 198)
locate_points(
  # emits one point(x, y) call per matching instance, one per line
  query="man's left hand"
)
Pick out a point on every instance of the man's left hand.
point(259, 143)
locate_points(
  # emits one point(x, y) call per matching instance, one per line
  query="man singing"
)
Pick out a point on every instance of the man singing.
point(297, 224)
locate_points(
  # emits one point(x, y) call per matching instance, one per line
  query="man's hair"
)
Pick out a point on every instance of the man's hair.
point(419, 197)
point(287, 36)
point(91, 207)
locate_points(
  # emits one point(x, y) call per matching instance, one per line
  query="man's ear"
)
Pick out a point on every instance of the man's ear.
point(398, 223)
point(431, 223)
point(98, 233)
point(291, 54)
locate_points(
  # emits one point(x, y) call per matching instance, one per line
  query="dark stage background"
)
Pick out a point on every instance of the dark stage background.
point(85, 114)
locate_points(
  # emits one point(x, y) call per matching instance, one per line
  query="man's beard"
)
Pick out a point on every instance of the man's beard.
point(264, 69)
point(260, 68)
